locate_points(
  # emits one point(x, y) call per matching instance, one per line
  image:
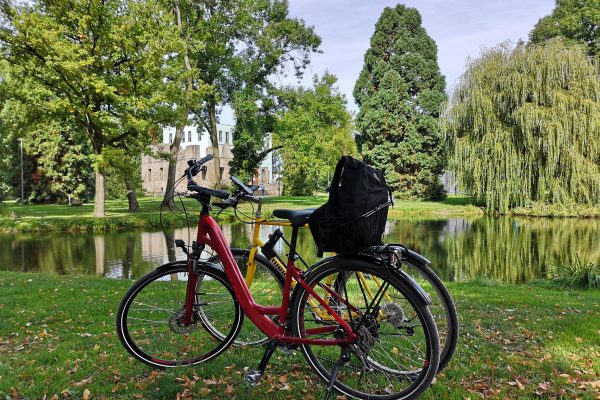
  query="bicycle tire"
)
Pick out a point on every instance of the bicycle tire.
point(384, 385)
point(263, 294)
point(148, 317)
point(449, 332)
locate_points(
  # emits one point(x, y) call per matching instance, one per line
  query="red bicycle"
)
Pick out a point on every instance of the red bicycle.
point(337, 313)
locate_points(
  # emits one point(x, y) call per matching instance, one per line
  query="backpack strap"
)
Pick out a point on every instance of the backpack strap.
point(335, 182)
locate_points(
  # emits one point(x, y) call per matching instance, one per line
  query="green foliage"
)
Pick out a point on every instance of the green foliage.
point(120, 164)
point(253, 119)
point(524, 126)
point(63, 168)
point(577, 21)
point(399, 92)
point(578, 275)
point(96, 65)
point(8, 141)
point(315, 130)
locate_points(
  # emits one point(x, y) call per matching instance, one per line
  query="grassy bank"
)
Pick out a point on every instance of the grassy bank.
point(57, 339)
point(31, 218)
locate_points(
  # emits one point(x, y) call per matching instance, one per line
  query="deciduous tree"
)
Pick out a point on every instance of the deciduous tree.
point(246, 42)
point(399, 92)
point(524, 126)
point(577, 21)
point(99, 63)
point(315, 130)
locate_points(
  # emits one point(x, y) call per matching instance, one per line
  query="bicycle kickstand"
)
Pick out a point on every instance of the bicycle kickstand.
point(253, 376)
point(344, 358)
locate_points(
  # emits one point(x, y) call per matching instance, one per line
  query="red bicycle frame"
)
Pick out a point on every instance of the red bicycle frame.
point(210, 234)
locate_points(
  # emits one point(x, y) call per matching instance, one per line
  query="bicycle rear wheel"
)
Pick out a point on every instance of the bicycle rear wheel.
point(150, 317)
point(397, 353)
point(442, 308)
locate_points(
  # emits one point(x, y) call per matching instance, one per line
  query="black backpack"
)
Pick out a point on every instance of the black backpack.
point(354, 217)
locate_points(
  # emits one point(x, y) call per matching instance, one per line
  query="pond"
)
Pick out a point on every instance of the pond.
point(512, 250)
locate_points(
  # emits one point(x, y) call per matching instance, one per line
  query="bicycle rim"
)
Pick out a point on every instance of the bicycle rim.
point(149, 320)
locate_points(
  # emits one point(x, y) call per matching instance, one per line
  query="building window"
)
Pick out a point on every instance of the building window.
point(189, 136)
point(183, 138)
point(199, 136)
point(170, 137)
point(220, 136)
point(221, 172)
point(226, 137)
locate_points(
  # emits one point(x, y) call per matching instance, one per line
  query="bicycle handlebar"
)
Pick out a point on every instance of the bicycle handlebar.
point(196, 166)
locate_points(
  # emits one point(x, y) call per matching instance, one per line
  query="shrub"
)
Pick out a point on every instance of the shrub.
point(578, 275)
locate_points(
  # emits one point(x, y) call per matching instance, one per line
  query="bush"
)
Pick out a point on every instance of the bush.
point(578, 275)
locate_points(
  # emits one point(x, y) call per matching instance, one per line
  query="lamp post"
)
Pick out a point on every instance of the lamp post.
point(22, 188)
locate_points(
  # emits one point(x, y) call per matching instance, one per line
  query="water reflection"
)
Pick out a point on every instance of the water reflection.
point(509, 249)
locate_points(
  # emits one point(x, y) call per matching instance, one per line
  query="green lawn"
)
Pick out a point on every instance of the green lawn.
point(57, 337)
point(14, 217)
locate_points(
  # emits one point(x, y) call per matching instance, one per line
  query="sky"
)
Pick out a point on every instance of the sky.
point(460, 28)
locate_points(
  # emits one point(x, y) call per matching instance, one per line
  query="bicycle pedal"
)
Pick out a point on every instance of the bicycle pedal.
point(253, 377)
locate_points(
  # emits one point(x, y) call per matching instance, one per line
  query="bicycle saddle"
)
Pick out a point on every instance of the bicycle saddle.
point(297, 217)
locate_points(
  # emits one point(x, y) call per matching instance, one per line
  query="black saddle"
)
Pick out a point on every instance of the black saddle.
point(298, 218)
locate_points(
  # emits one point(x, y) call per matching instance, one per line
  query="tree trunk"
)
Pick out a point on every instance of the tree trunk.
point(214, 140)
point(174, 151)
point(179, 130)
point(100, 195)
point(131, 197)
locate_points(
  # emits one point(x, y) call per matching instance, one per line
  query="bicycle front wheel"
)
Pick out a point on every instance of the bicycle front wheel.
point(397, 353)
point(150, 317)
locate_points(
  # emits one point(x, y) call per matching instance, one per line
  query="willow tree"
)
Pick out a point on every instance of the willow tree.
point(523, 126)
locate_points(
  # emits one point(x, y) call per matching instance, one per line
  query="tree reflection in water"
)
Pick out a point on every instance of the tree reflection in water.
point(507, 249)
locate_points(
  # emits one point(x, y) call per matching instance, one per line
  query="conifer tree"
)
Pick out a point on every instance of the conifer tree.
point(400, 91)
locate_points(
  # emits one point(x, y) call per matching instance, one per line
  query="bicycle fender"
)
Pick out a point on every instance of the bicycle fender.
point(414, 256)
point(411, 283)
point(218, 267)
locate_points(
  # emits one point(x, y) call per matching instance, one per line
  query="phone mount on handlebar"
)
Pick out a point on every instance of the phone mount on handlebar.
point(241, 185)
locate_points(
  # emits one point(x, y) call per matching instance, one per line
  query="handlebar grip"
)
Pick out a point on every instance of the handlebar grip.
point(222, 194)
point(205, 159)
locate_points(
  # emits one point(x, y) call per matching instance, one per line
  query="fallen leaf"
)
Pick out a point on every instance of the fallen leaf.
point(204, 391)
point(544, 385)
point(579, 340)
point(86, 394)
